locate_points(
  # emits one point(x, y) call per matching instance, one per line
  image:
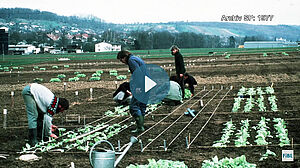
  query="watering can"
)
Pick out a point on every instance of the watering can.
point(106, 159)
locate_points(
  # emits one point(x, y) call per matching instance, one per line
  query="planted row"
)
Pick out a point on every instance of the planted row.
point(262, 133)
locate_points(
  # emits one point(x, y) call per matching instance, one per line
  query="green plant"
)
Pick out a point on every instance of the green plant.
point(81, 75)
point(272, 99)
point(187, 93)
point(282, 132)
point(38, 80)
point(249, 104)
point(43, 69)
point(261, 104)
point(267, 154)
point(54, 67)
point(269, 90)
point(227, 162)
point(227, 56)
point(55, 80)
point(262, 132)
point(160, 164)
point(236, 104)
point(242, 91)
point(96, 75)
point(99, 72)
point(95, 78)
point(121, 77)
point(61, 76)
point(242, 134)
point(73, 79)
point(66, 66)
point(113, 72)
point(260, 91)
point(227, 132)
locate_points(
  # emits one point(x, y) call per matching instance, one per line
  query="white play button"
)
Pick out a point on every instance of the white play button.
point(149, 84)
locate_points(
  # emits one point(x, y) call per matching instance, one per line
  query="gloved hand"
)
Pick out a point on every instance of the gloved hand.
point(53, 128)
point(53, 136)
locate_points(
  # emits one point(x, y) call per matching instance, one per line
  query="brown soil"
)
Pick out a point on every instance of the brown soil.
point(216, 74)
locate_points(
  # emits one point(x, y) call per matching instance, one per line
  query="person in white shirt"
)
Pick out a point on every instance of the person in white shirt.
point(41, 105)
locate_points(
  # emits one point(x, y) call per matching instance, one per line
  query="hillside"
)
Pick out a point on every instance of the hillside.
point(26, 20)
point(222, 29)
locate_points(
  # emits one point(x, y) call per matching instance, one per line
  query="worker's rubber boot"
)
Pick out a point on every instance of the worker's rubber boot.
point(39, 130)
point(32, 136)
point(139, 124)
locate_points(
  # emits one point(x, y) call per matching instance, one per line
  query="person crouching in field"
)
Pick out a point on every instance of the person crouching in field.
point(41, 105)
point(191, 81)
point(123, 95)
point(174, 96)
point(137, 109)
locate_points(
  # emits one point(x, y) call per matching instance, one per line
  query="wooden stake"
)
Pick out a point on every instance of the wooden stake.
point(12, 99)
point(4, 118)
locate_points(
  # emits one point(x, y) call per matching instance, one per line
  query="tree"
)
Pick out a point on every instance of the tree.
point(231, 42)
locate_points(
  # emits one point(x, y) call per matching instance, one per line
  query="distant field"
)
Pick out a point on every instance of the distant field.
point(17, 60)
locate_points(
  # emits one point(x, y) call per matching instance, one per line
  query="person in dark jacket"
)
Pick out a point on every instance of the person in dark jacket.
point(137, 109)
point(191, 81)
point(179, 66)
point(123, 95)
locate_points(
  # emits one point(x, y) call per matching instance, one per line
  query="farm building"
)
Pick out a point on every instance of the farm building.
point(269, 44)
point(22, 49)
point(106, 47)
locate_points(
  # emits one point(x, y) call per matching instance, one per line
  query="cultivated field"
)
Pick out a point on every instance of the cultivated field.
point(233, 88)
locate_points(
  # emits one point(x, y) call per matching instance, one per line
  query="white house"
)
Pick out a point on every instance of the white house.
point(106, 47)
point(269, 44)
point(22, 49)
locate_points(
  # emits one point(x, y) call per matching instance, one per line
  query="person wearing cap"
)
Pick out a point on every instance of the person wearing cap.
point(191, 81)
point(122, 95)
point(179, 66)
point(137, 109)
point(41, 105)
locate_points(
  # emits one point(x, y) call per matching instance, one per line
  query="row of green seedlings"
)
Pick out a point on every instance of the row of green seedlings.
point(227, 162)
point(123, 110)
point(44, 69)
point(262, 133)
point(84, 143)
point(250, 102)
point(283, 53)
point(118, 77)
point(95, 77)
point(7, 69)
point(160, 164)
point(262, 130)
point(66, 139)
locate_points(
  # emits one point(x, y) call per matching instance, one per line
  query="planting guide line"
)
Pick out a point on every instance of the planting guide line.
point(208, 119)
point(167, 116)
point(192, 119)
point(172, 122)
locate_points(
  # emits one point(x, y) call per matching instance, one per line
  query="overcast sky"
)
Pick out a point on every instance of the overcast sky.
point(132, 11)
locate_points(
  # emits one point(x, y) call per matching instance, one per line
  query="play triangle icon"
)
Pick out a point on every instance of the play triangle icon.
point(149, 84)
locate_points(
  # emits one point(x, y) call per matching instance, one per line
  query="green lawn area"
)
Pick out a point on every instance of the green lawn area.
point(17, 60)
